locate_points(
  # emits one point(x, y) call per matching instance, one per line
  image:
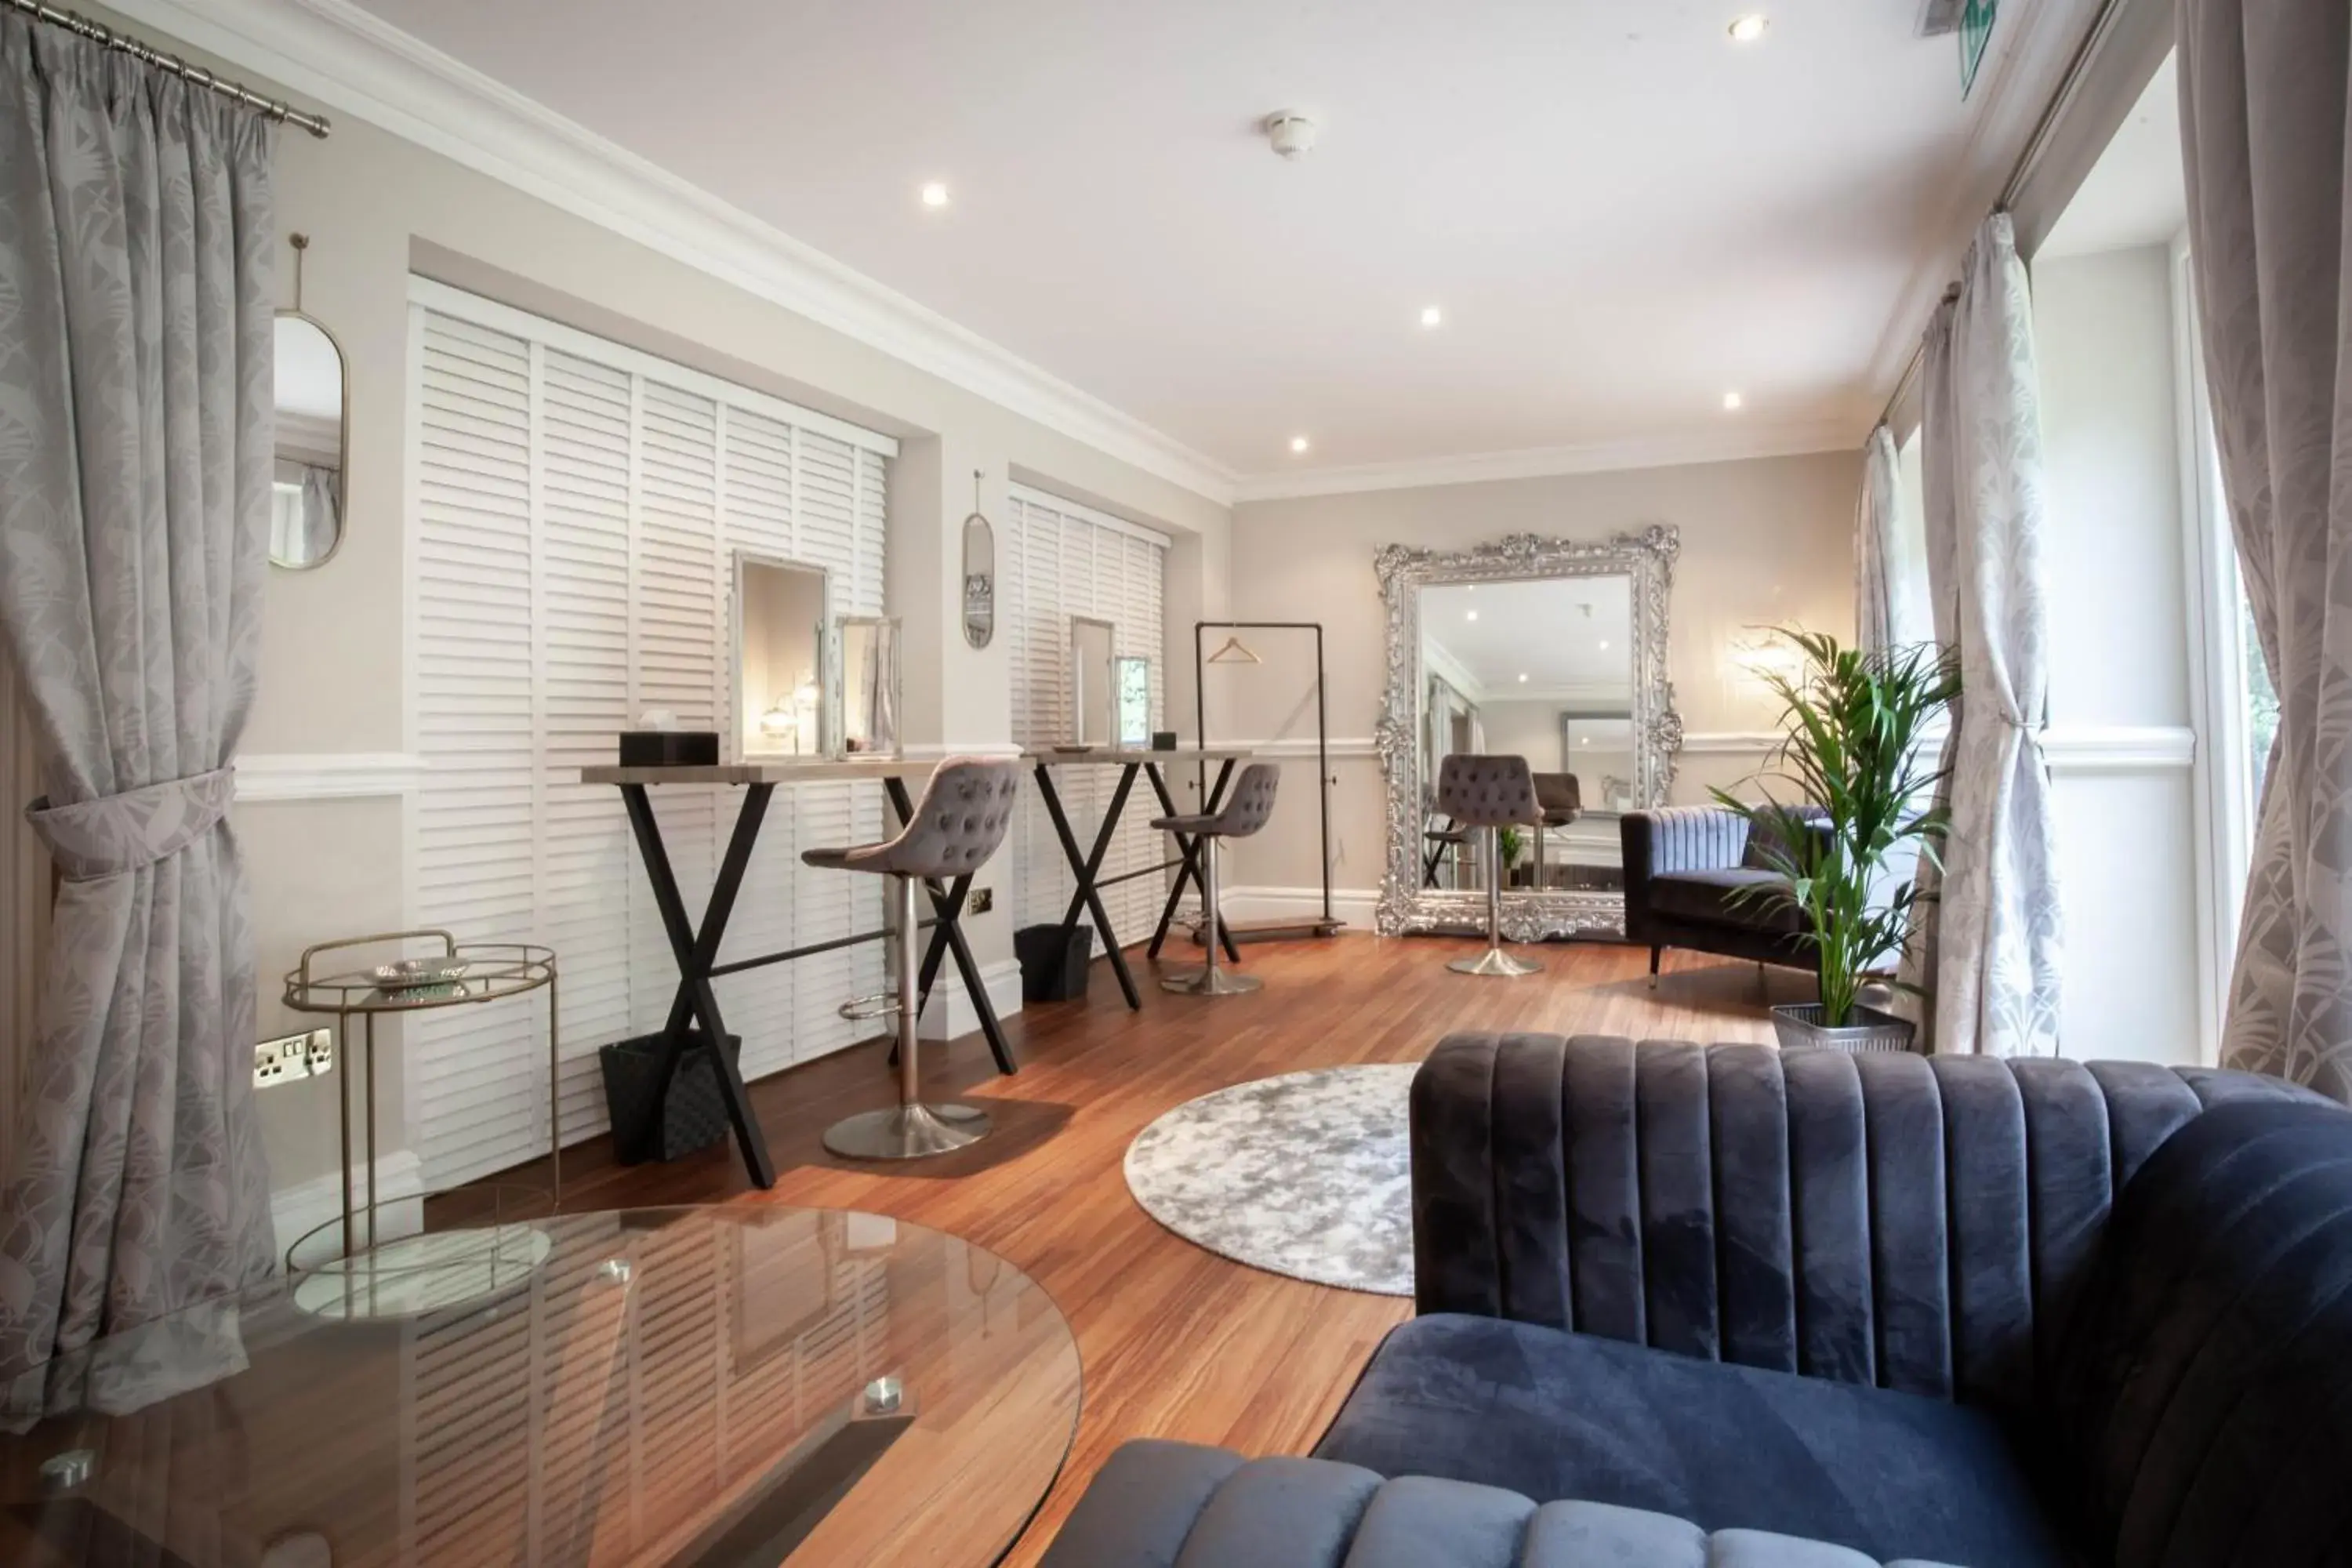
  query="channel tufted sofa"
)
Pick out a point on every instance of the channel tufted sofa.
point(1736, 1308)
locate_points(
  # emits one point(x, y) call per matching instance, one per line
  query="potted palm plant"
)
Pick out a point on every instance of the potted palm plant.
point(1855, 754)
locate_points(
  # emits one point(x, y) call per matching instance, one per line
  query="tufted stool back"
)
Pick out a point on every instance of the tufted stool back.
point(1478, 791)
point(961, 818)
point(1252, 803)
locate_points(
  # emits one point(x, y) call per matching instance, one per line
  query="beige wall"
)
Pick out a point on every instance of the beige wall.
point(377, 208)
point(1763, 543)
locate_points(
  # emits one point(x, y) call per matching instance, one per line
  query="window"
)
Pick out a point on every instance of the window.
point(2235, 708)
point(575, 511)
point(1064, 561)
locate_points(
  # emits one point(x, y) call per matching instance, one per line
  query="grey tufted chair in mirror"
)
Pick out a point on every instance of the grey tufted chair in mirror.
point(1490, 794)
point(1245, 811)
point(956, 824)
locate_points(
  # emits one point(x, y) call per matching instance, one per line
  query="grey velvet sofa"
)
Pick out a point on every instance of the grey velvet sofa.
point(1734, 1307)
point(1690, 872)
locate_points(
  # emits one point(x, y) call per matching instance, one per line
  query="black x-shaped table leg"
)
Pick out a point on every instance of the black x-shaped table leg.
point(1188, 846)
point(1087, 899)
point(695, 952)
point(947, 937)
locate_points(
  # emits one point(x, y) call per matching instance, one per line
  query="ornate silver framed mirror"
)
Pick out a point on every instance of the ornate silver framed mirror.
point(1552, 649)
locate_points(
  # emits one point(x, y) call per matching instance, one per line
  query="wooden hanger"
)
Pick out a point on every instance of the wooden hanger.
point(1235, 652)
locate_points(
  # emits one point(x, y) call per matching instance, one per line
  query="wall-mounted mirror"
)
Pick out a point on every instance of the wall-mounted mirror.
point(1551, 649)
point(1094, 714)
point(866, 655)
point(306, 481)
point(780, 658)
point(979, 576)
point(1131, 679)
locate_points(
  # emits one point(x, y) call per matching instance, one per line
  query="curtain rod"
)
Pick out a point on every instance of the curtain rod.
point(2077, 68)
point(106, 38)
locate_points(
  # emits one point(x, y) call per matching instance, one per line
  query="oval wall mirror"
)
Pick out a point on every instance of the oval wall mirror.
point(307, 481)
point(978, 580)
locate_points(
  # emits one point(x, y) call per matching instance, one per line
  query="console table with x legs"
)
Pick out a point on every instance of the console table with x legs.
point(696, 948)
point(1086, 864)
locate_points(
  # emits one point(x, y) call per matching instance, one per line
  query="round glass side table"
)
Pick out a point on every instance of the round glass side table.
point(450, 974)
point(742, 1383)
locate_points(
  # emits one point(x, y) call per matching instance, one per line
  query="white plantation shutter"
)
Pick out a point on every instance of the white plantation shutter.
point(1064, 560)
point(578, 509)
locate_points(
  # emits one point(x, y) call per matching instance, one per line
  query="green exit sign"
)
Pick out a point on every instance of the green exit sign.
point(1975, 31)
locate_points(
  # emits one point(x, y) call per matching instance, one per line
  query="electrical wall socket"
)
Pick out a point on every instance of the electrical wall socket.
point(292, 1056)
point(982, 899)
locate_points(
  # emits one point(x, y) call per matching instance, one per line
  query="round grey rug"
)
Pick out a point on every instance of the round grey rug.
point(1308, 1174)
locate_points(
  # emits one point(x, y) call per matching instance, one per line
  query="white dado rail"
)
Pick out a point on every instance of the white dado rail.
point(327, 775)
point(2072, 750)
point(360, 775)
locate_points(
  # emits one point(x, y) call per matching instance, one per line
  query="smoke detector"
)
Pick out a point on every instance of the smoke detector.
point(1290, 134)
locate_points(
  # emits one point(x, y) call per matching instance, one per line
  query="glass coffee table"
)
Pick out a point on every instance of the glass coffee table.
point(748, 1385)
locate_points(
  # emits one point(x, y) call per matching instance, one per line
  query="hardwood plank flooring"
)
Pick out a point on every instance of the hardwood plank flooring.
point(1176, 1342)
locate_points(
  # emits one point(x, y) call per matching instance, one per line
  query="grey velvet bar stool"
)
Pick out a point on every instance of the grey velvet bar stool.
point(956, 826)
point(1490, 793)
point(1245, 812)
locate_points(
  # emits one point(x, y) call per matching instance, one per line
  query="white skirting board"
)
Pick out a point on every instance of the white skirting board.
point(1353, 905)
point(951, 1014)
point(304, 1207)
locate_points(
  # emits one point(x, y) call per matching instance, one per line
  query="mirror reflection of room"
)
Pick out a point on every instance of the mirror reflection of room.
point(1094, 684)
point(1542, 669)
point(868, 651)
point(780, 606)
point(306, 489)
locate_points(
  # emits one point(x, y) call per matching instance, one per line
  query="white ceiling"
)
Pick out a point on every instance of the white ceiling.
point(1566, 635)
point(2137, 193)
point(1623, 213)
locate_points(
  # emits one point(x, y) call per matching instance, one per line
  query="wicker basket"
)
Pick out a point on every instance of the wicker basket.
point(1800, 1024)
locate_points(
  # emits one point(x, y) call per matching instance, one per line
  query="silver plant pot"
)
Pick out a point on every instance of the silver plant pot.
point(1800, 1024)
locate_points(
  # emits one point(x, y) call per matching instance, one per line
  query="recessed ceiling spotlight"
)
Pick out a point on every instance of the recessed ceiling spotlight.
point(1299, 442)
point(935, 194)
point(1431, 316)
point(1605, 645)
point(1733, 403)
point(1748, 28)
point(1472, 615)
point(1523, 679)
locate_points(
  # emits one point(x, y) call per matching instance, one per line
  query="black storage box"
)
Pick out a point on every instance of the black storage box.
point(670, 748)
point(1051, 969)
point(650, 1125)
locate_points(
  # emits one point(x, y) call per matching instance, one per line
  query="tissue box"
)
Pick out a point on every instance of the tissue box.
point(670, 748)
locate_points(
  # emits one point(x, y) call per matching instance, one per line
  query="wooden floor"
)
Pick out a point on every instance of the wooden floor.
point(1176, 1342)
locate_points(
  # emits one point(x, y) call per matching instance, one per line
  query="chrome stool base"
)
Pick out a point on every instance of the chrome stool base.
point(906, 1132)
point(1494, 962)
point(1213, 981)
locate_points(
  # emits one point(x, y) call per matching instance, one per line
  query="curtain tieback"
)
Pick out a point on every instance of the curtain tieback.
point(119, 834)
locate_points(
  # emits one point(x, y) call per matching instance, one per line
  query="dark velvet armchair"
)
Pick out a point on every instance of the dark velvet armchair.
point(1691, 881)
point(1736, 1308)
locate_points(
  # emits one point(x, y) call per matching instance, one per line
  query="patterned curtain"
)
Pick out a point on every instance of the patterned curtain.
point(1878, 546)
point(135, 434)
point(2263, 105)
point(1992, 950)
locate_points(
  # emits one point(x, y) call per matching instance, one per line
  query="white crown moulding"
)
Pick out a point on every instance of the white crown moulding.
point(356, 64)
point(1749, 442)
